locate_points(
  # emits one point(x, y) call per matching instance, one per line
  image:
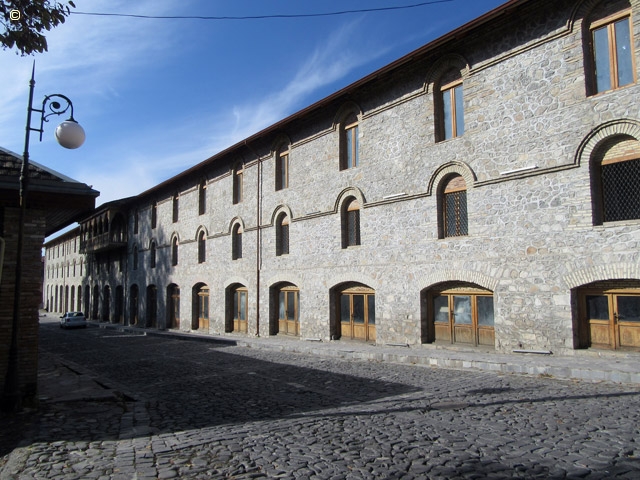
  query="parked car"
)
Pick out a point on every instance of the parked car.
point(73, 319)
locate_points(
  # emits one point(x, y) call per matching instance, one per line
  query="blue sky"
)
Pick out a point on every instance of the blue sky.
point(157, 96)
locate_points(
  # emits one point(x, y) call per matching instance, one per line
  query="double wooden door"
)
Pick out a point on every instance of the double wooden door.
point(358, 314)
point(610, 318)
point(203, 309)
point(288, 323)
point(463, 316)
point(240, 310)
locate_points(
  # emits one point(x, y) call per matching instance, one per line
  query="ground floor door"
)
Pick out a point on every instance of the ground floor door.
point(288, 323)
point(240, 310)
point(463, 315)
point(358, 314)
point(173, 295)
point(610, 318)
point(203, 309)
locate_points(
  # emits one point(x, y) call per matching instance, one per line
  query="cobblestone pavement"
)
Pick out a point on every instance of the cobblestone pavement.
point(181, 409)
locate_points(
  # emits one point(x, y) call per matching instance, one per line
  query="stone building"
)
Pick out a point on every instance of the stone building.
point(53, 202)
point(481, 191)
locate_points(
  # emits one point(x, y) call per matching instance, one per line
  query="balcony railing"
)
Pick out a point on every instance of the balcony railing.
point(103, 242)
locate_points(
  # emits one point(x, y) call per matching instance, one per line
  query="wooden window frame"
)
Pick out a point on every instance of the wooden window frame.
point(174, 251)
point(202, 247)
point(175, 207)
point(236, 242)
point(202, 197)
point(447, 191)
point(347, 227)
point(609, 23)
point(282, 239)
point(282, 168)
point(154, 215)
point(238, 184)
point(350, 131)
point(450, 90)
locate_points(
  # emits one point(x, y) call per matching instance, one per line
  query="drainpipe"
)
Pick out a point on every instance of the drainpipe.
point(258, 236)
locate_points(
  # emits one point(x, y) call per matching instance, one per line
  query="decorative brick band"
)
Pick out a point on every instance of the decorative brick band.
point(613, 271)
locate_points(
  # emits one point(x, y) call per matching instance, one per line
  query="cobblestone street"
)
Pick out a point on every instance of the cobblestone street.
point(174, 408)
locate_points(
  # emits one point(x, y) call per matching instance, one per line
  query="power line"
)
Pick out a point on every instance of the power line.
point(259, 17)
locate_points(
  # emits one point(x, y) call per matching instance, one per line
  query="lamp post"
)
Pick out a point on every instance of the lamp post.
point(70, 135)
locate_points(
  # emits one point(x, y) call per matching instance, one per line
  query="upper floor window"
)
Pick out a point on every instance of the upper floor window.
point(611, 44)
point(615, 180)
point(202, 247)
point(202, 197)
point(176, 207)
point(351, 224)
point(349, 147)
point(152, 255)
point(452, 110)
point(236, 239)
point(154, 215)
point(282, 235)
point(174, 251)
point(136, 221)
point(453, 208)
point(282, 168)
point(238, 173)
point(135, 258)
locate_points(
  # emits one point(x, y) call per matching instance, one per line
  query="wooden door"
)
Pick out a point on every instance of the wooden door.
point(174, 307)
point(357, 314)
point(288, 322)
point(240, 310)
point(203, 309)
point(463, 315)
point(611, 319)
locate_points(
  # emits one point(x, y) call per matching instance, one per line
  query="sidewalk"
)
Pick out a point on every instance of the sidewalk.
point(586, 365)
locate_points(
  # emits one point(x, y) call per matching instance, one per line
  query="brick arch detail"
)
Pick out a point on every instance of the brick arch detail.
point(281, 209)
point(354, 277)
point(458, 167)
point(280, 140)
point(284, 278)
point(622, 127)
point(236, 280)
point(448, 62)
point(346, 193)
point(454, 275)
point(201, 228)
point(348, 107)
point(234, 221)
point(613, 271)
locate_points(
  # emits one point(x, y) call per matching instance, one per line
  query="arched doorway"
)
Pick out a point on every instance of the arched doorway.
point(355, 312)
point(200, 310)
point(152, 306)
point(458, 312)
point(119, 317)
point(237, 305)
point(609, 315)
point(106, 304)
point(173, 304)
point(284, 310)
point(96, 302)
point(133, 304)
point(87, 300)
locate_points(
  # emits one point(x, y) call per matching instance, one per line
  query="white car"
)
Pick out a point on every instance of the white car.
point(73, 319)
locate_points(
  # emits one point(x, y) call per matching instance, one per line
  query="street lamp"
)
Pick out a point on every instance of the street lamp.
point(70, 135)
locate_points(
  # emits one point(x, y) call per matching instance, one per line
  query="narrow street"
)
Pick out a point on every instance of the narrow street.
point(175, 408)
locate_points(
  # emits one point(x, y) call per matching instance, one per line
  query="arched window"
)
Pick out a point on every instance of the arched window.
point(238, 173)
point(135, 257)
point(453, 221)
point(612, 63)
point(152, 255)
point(615, 174)
point(136, 221)
point(202, 247)
point(351, 223)
point(202, 197)
point(282, 235)
point(176, 207)
point(236, 239)
point(349, 147)
point(174, 251)
point(450, 104)
point(282, 167)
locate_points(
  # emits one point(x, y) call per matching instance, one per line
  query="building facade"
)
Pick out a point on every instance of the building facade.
point(481, 191)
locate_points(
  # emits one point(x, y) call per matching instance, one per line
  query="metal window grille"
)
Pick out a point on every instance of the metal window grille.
point(455, 214)
point(202, 248)
point(353, 228)
point(621, 192)
point(202, 199)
